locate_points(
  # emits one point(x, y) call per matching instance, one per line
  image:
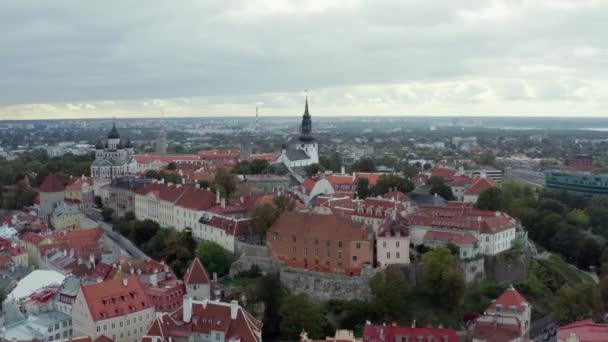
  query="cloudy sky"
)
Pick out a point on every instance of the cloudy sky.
point(64, 59)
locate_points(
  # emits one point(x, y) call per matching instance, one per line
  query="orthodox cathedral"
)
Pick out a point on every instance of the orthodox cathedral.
point(114, 158)
point(306, 150)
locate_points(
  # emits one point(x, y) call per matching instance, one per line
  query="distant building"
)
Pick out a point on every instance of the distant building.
point(66, 216)
point(495, 174)
point(51, 192)
point(267, 183)
point(321, 242)
point(478, 185)
point(578, 182)
point(581, 162)
point(114, 158)
point(306, 151)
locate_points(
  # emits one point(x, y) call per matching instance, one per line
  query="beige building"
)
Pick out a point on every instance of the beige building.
point(118, 309)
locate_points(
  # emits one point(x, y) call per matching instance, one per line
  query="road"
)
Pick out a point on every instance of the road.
point(534, 178)
point(123, 242)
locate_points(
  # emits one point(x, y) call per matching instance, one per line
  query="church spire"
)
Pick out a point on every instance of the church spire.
point(306, 129)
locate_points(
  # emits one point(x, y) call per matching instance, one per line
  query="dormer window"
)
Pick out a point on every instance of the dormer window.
point(498, 308)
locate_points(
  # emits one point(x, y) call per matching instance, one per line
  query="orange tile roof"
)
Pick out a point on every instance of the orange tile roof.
point(196, 273)
point(509, 298)
point(115, 298)
point(263, 156)
point(480, 184)
point(77, 183)
point(371, 177)
point(444, 173)
point(196, 199)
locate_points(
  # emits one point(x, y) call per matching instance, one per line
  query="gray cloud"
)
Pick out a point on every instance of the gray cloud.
point(384, 52)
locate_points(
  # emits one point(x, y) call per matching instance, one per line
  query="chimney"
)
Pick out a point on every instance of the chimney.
point(187, 309)
point(154, 279)
point(413, 324)
point(223, 202)
point(92, 260)
point(214, 277)
point(71, 252)
point(234, 309)
point(197, 185)
point(242, 200)
point(342, 170)
point(162, 181)
point(125, 281)
point(217, 196)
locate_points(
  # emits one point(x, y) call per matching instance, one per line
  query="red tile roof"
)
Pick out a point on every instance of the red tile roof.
point(372, 177)
point(150, 157)
point(51, 184)
point(264, 156)
point(77, 183)
point(327, 227)
point(32, 238)
point(586, 331)
point(196, 199)
point(380, 333)
point(508, 299)
point(11, 247)
point(395, 226)
point(196, 273)
point(219, 154)
point(444, 173)
point(459, 217)
point(456, 238)
point(232, 226)
point(115, 298)
point(206, 316)
point(166, 192)
point(460, 181)
point(397, 196)
point(497, 329)
point(480, 184)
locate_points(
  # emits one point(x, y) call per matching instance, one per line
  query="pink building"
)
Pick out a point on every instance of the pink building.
point(393, 241)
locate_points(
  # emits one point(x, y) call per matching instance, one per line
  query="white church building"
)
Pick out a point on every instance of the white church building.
point(306, 151)
point(114, 158)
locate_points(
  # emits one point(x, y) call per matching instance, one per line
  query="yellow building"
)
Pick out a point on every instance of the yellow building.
point(66, 216)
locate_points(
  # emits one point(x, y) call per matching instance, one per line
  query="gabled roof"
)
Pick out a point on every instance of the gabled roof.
point(51, 184)
point(76, 184)
point(442, 172)
point(32, 238)
point(196, 199)
point(456, 238)
point(395, 226)
point(115, 298)
point(196, 273)
point(294, 155)
point(329, 227)
point(480, 184)
point(497, 328)
point(382, 333)
point(509, 298)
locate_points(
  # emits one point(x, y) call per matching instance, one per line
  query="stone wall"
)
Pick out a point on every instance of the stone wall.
point(325, 286)
point(473, 270)
point(505, 270)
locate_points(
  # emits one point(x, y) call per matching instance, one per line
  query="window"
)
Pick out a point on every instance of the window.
point(388, 255)
point(316, 252)
point(487, 239)
point(65, 324)
point(358, 245)
point(105, 327)
point(398, 256)
point(113, 325)
point(328, 254)
point(305, 251)
point(57, 326)
point(98, 329)
point(354, 258)
point(340, 244)
point(120, 324)
point(397, 244)
point(328, 243)
point(384, 244)
point(339, 254)
point(50, 329)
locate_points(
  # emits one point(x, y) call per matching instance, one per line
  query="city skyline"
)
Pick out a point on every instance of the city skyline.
point(356, 58)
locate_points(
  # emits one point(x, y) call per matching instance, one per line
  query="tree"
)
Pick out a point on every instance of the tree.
point(491, 199)
point(313, 169)
point(214, 257)
point(444, 191)
point(363, 189)
point(442, 278)
point(389, 290)
point(224, 182)
point(171, 166)
point(259, 166)
point(603, 288)
point(264, 216)
point(97, 202)
point(589, 253)
point(284, 203)
point(299, 314)
point(364, 165)
point(409, 171)
point(487, 158)
point(427, 166)
point(129, 216)
point(333, 162)
point(387, 183)
point(106, 214)
point(242, 168)
point(144, 230)
point(573, 303)
point(578, 218)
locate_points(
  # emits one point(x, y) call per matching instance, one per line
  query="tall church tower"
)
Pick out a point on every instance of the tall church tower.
point(307, 142)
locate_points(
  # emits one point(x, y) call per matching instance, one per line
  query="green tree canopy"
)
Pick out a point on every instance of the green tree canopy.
point(442, 278)
point(224, 182)
point(364, 165)
point(390, 292)
point(214, 257)
point(387, 183)
point(363, 189)
point(491, 199)
point(299, 314)
point(573, 303)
